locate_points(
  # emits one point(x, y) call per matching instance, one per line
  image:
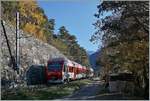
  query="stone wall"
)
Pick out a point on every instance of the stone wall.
point(32, 51)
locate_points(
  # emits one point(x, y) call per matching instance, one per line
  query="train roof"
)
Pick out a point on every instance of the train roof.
point(57, 59)
point(68, 62)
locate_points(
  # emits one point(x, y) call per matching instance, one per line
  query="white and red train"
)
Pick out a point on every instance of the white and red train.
point(60, 70)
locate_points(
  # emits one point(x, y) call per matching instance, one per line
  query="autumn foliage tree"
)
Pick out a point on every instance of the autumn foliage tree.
point(32, 18)
point(124, 34)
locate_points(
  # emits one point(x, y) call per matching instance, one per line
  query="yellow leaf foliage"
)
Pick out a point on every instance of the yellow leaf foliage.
point(33, 19)
point(35, 31)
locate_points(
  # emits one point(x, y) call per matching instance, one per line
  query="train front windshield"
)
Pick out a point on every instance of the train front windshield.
point(54, 66)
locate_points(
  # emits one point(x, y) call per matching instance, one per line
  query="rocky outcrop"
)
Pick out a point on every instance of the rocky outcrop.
point(32, 51)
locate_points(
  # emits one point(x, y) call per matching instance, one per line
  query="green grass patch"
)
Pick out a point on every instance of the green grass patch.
point(45, 93)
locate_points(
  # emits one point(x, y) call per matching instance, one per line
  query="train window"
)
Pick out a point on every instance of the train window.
point(77, 70)
point(70, 69)
point(54, 66)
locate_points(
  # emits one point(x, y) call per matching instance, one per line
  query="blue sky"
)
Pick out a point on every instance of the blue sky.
point(76, 16)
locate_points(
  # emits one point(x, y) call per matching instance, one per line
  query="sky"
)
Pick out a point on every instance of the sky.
point(76, 15)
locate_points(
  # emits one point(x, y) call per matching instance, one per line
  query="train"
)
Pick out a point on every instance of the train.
point(60, 70)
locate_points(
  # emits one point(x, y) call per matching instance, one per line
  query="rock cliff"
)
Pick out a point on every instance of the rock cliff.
point(32, 51)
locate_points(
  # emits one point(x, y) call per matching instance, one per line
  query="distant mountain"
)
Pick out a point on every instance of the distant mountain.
point(90, 52)
point(92, 58)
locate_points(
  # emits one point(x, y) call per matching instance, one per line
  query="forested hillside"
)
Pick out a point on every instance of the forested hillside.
point(124, 34)
point(34, 21)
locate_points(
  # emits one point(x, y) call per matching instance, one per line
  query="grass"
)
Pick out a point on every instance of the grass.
point(46, 93)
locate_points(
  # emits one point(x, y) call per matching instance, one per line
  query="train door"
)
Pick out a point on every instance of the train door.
point(66, 74)
point(74, 73)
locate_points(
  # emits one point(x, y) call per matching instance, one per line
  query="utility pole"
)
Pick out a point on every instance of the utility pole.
point(17, 42)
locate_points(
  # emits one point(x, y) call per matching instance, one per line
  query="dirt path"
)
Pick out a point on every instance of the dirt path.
point(86, 92)
point(95, 91)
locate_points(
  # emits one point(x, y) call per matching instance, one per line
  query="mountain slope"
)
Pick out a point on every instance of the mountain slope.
point(34, 21)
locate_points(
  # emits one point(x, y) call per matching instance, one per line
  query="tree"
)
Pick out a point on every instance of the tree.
point(63, 33)
point(50, 27)
point(124, 34)
point(74, 50)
